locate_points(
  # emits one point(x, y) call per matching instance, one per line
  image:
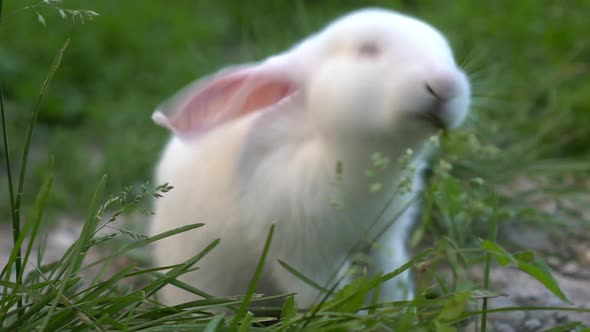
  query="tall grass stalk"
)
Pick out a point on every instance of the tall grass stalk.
point(487, 267)
point(15, 222)
point(79, 251)
point(251, 288)
point(13, 210)
point(15, 203)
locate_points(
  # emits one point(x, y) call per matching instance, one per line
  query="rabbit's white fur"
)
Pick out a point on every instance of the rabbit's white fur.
point(362, 85)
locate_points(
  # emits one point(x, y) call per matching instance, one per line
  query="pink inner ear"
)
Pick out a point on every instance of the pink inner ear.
point(223, 99)
point(266, 95)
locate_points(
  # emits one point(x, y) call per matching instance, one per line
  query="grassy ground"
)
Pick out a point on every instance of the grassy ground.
point(529, 62)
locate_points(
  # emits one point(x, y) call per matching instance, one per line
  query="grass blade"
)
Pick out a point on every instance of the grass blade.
point(244, 327)
point(257, 274)
point(214, 324)
point(487, 268)
point(416, 259)
point(184, 267)
point(13, 214)
point(31, 226)
point(529, 263)
point(469, 314)
point(78, 253)
point(566, 327)
point(39, 208)
point(142, 243)
point(16, 201)
point(25, 156)
point(302, 277)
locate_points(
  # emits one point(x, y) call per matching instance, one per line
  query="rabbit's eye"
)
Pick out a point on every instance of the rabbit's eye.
point(369, 50)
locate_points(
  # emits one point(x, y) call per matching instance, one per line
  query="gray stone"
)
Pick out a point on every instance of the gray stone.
point(470, 327)
point(503, 327)
point(532, 325)
point(570, 268)
point(560, 317)
point(512, 317)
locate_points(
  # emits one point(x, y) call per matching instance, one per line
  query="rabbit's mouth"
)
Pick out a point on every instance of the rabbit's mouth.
point(433, 119)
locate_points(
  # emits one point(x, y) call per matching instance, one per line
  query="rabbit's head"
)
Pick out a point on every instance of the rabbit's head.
point(373, 73)
point(377, 72)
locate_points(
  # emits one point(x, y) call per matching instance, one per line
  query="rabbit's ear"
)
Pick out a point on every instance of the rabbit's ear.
point(230, 94)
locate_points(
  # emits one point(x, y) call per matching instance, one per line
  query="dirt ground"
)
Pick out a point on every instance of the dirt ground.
point(523, 290)
point(572, 271)
point(570, 263)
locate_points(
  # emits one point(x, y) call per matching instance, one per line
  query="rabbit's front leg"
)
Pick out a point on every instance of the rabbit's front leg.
point(389, 254)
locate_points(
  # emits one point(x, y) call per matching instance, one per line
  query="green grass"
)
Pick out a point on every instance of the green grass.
point(529, 63)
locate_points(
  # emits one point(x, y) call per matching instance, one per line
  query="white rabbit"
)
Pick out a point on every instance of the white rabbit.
point(289, 141)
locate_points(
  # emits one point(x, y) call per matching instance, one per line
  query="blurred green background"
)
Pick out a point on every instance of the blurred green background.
point(528, 59)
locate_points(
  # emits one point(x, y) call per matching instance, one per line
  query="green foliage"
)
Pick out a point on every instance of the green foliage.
point(528, 262)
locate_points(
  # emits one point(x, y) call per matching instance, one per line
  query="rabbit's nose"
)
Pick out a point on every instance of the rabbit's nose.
point(433, 92)
point(442, 85)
